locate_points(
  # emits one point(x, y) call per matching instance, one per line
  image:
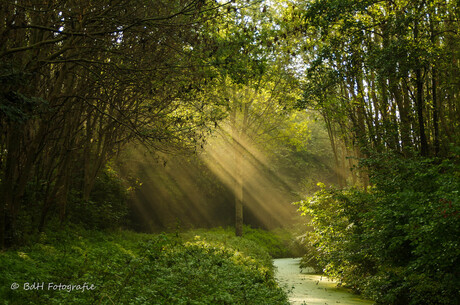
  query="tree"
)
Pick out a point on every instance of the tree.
point(255, 109)
point(372, 72)
point(84, 78)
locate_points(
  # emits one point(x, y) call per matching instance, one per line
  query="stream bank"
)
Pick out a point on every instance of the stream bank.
point(311, 289)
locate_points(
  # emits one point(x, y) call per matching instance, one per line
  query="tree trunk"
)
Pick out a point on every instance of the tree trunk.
point(9, 207)
point(419, 101)
point(239, 193)
point(434, 95)
point(338, 172)
point(403, 110)
point(238, 188)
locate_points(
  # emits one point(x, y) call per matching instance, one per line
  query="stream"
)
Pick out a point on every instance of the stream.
point(311, 289)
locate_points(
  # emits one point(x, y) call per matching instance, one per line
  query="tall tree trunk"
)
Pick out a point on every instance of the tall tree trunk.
point(238, 188)
point(419, 103)
point(403, 110)
point(434, 86)
point(419, 100)
point(435, 111)
point(375, 117)
point(334, 147)
point(8, 207)
point(239, 193)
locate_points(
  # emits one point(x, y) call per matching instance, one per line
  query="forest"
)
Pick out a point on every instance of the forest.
point(165, 152)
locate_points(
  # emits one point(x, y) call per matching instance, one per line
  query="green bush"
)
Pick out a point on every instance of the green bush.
point(396, 242)
point(107, 206)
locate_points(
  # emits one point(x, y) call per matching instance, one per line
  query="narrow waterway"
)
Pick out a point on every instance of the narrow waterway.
point(311, 289)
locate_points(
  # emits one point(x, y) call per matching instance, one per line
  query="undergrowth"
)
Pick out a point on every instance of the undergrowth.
point(132, 268)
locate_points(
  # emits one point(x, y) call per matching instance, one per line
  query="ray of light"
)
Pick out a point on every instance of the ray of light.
point(265, 197)
point(176, 190)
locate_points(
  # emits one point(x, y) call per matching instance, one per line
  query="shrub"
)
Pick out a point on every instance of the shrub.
point(106, 207)
point(397, 241)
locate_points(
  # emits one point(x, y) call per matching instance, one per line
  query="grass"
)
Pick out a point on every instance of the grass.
point(197, 267)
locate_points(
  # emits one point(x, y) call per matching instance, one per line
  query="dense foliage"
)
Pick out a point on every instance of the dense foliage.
point(82, 79)
point(396, 242)
point(131, 268)
point(384, 75)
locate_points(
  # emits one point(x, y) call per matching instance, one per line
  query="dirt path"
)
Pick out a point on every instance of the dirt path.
point(311, 289)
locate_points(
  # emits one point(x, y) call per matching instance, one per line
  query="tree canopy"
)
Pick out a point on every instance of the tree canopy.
point(80, 79)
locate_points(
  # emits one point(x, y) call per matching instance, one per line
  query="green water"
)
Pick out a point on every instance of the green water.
point(312, 289)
